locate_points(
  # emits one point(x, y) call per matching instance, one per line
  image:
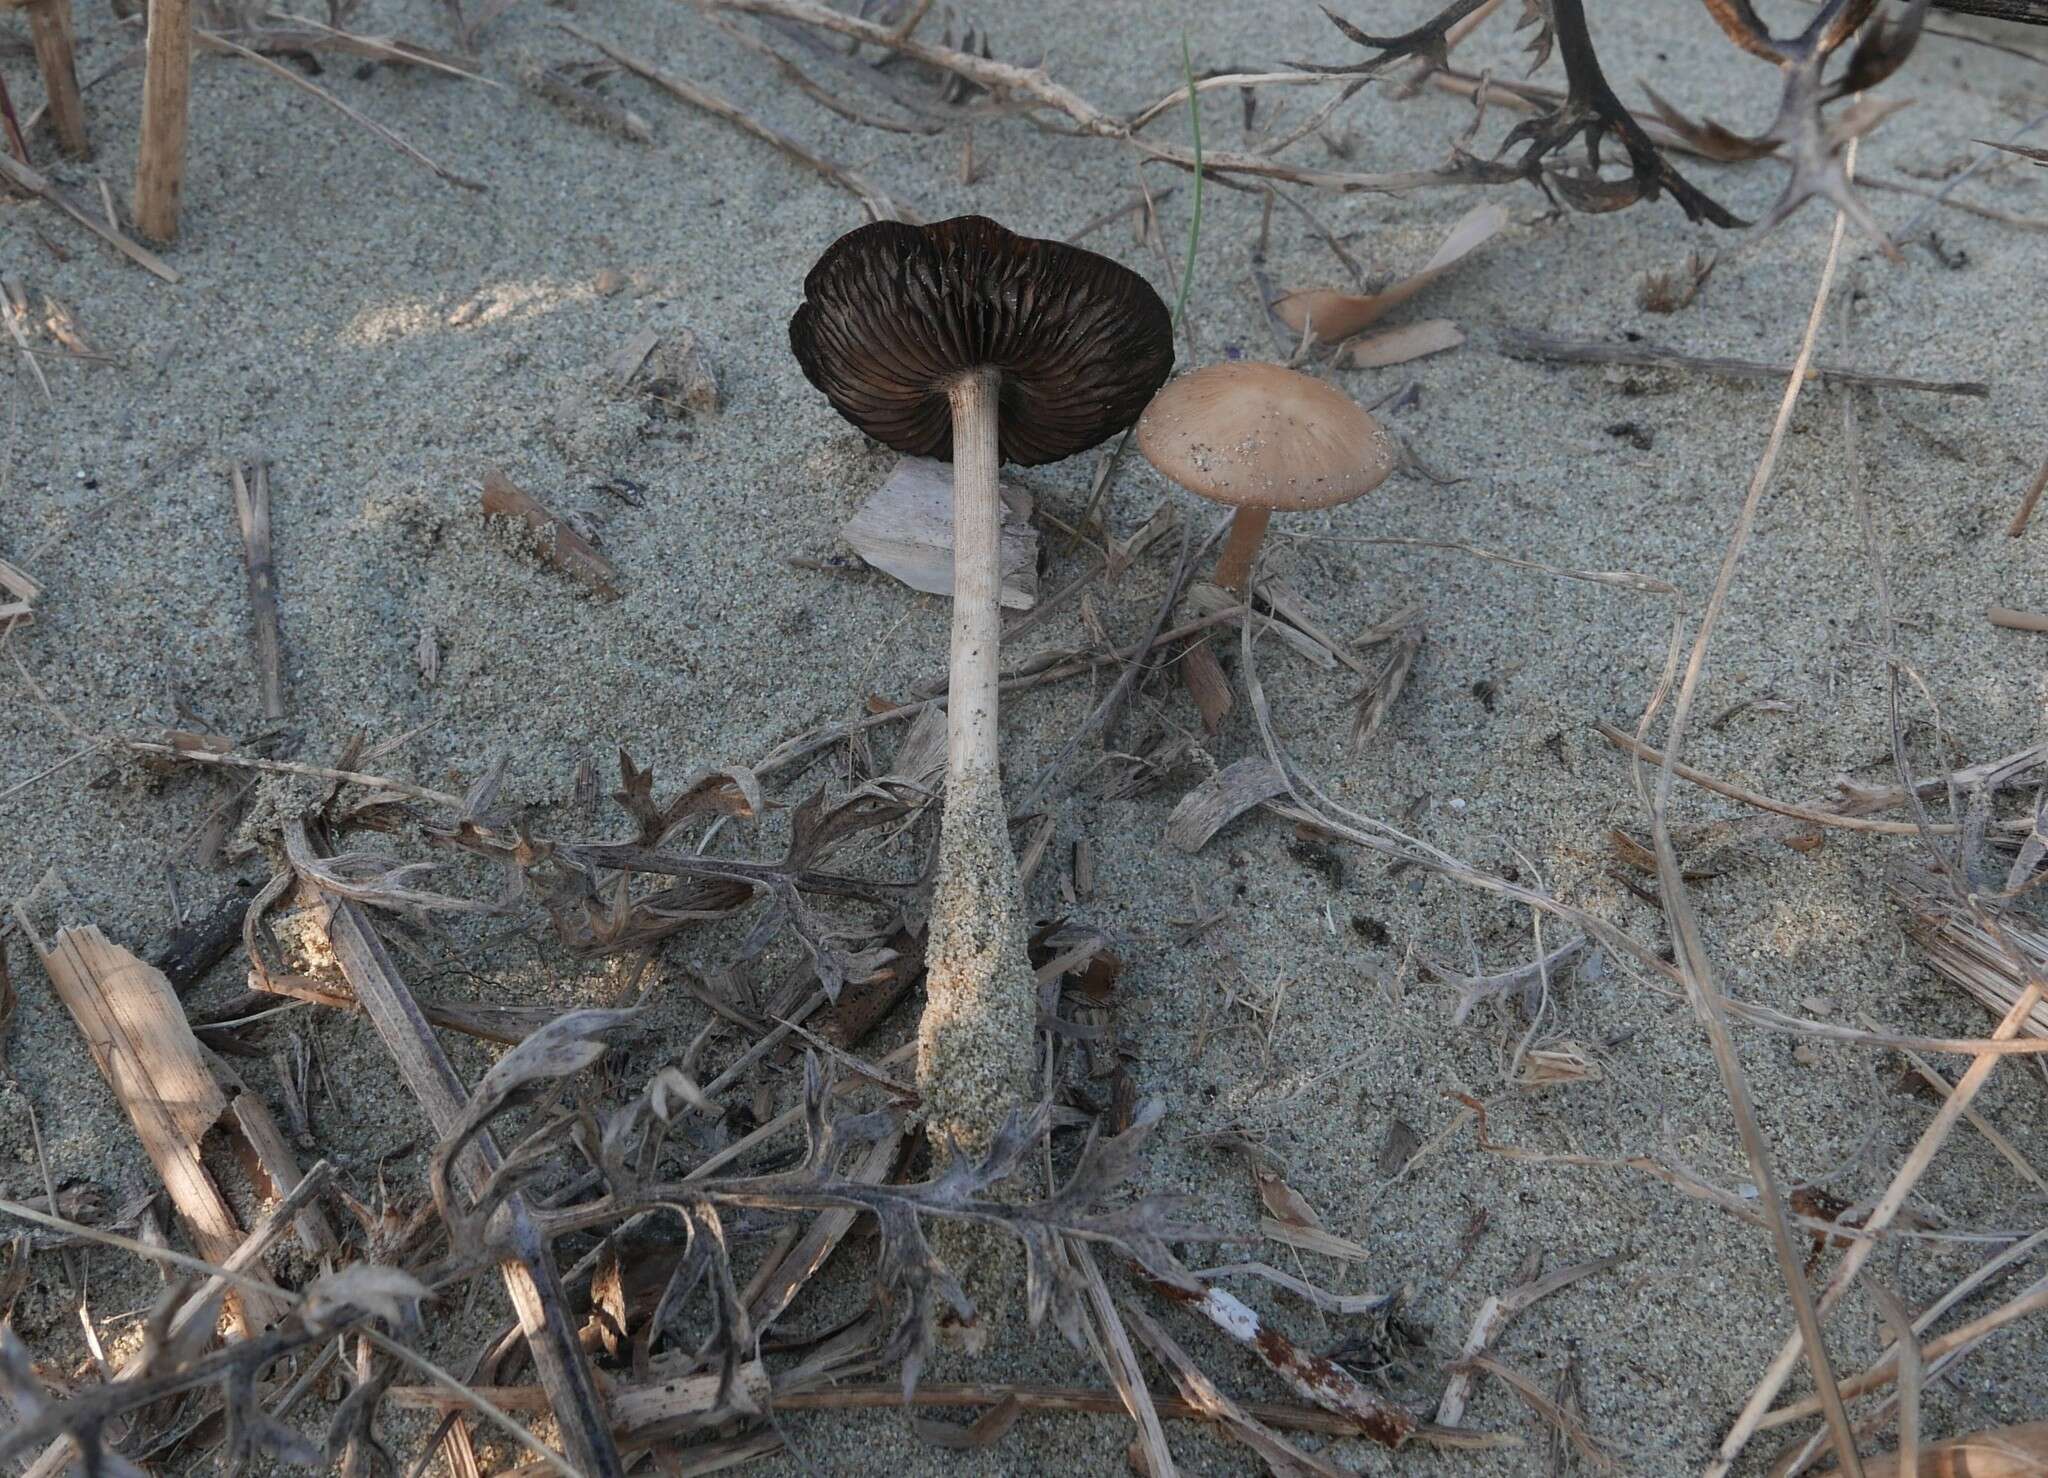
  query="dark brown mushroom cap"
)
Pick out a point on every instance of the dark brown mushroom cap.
point(893, 314)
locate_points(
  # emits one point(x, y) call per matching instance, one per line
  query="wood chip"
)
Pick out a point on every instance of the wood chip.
point(1202, 675)
point(560, 545)
point(906, 530)
point(631, 355)
point(139, 1038)
point(1221, 799)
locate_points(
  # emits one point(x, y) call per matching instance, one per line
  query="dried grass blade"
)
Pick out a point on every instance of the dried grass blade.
point(1908, 1347)
point(1695, 966)
point(1281, 1457)
point(1539, 1402)
point(878, 201)
point(1120, 1362)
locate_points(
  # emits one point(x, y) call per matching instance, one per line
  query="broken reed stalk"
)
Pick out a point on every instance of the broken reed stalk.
point(977, 1036)
point(529, 1271)
point(1521, 344)
point(252, 512)
point(35, 183)
point(1689, 946)
point(166, 100)
point(49, 24)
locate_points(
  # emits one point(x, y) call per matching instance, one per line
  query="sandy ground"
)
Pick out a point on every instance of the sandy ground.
point(382, 337)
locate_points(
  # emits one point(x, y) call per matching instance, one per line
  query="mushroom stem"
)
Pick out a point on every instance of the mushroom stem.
point(976, 1039)
point(1234, 565)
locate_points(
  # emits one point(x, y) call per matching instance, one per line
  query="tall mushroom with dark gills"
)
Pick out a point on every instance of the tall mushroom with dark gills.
point(964, 341)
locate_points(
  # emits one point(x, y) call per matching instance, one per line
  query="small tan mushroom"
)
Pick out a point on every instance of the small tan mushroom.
point(1262, 437)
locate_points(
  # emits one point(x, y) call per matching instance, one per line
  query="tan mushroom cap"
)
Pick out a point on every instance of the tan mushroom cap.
point(1264, 436)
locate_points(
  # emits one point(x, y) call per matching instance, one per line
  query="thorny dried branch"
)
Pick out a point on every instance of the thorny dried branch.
point(1807, 137)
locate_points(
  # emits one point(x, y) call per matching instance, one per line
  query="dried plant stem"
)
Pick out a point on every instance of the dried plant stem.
point(1520, 344)
point(290, 767)
point(528, 1269)
point(1651, 755)
point(203, 1303)
point(1973, 1079)
point(1695, 966)
point(976, 1038)
point(879, 202)
point(280, 70)
point(1910, 1371)
point(2035, 489)
point(35, 183)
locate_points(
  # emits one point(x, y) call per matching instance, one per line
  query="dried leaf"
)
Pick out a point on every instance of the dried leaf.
point(905, 529)
point(1400, 345)
point(385, 1293)
point(1335, 315)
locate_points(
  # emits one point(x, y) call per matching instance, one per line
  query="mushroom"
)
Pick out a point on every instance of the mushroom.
point(1261, 437)
point(964, 341)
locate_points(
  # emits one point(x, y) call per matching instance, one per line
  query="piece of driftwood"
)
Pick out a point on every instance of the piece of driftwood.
point(1521, 344)
point(906, 530)
point(529, 1271)
point(252, 513)
point(195, 947)
point(2013, 620)
point(558, 544)
point(1221, 799)
point(166, 101)
point(138, 1036)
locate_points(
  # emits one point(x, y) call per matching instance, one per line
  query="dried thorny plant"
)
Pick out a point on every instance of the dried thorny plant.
point(687, 1222)
point(620, 895)
point(626, 1149)
point(1808, 138)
